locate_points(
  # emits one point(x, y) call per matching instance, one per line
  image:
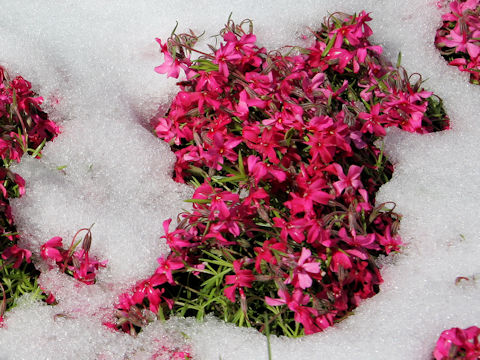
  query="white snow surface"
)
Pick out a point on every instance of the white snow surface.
point(93, 63)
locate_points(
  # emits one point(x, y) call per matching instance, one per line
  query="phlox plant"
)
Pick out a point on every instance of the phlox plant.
point(284, 149)
point(24, 129)
point(458, 39)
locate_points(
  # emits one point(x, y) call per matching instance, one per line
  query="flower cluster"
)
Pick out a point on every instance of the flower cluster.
point(77, 263)
point(458, 343)
point(24, 128)
point(459, 37)
point(284, 150)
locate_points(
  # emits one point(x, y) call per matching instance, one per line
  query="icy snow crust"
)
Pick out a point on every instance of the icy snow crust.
point(93, 63)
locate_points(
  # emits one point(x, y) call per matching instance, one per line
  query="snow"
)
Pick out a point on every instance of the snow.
point(93, 63)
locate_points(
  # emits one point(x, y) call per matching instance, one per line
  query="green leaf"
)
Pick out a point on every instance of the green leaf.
point(39, 148)
point(289, 135)
point(197, 171)
point(240, 163)
point(229, 179)
point(204, 65)
point(198, 201)
point(329, 45)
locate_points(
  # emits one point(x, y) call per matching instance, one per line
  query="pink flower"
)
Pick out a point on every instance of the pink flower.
point(171, 66)
point(339, 258)
point(294, 228)
point(322, 146)
point(265, 144)
point(220, 149)
point(245, 101)
point(16, 254)
point(166, 265)
point(458, 343)
point(147, 289)
point(50, 250)
point(305, 266)
point(21, 184)
point(265, 253)
point(210, 80)
point(351, 180)
point(225, 55)
point(175, 239)
point(462, 43)
point(84, 267)
point(264, 170)
point(373, 121)
point(219, 207)
point(389, 242)
point(242, 278)
point(359, 242)
point(163, 129)
point(304, 201)
point(296, 302)
point(458, 8)
point(340, 57)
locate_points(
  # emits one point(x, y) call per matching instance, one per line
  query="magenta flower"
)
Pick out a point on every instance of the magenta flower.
point(21, 184)
point(242, 278)
point(458, 343)
point(318, 234)
point(264, 170)
point(225, 55)
point(373, 121)
point(360, 243)
point(462, 43)
point(163, 129)
point(86, 272)
point(340, 57)
point(388, 241)
point(146, 289)
point(351, 180)
point(340, 258)
point(322, 147)
point(220, 149)
point(294, 228)
point(296, 302)
point(245, 47)
point(265, 144)
point(301, 273)
point(17, 254)
point(304, 201)
point(209, 81)
point(264, 253)
point(458, 8)
point(260, 83)
point(175, 239)
point(50, 250)
point(219, 208)
point(166, 265)
point(171, 66)
point(283, 217)
point(245, 101)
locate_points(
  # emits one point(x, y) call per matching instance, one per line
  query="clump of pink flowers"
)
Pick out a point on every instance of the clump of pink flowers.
point(24, 128)
point(77, 263)
point(459, 37)
point(456, 344)
point(284, 151)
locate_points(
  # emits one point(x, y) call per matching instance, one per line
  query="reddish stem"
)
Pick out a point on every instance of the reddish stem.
point(70, 249)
